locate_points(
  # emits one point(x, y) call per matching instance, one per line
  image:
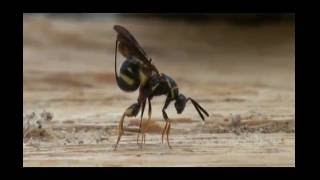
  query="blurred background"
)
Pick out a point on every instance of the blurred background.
point(69, 57)
point(238, 18)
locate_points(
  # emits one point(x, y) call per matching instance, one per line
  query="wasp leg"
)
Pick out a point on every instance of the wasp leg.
point(120, 131)
point(163, 131)
point(165, 116)
point(133, 110)
point(168, 131)
point(142, 111)
point(147, 124)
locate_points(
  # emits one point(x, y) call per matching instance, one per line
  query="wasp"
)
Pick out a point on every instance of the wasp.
point(138, 71)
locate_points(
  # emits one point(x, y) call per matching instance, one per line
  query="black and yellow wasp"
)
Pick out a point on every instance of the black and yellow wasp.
point(137, 71)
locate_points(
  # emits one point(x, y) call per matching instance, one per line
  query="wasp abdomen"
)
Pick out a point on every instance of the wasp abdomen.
point(128, 79)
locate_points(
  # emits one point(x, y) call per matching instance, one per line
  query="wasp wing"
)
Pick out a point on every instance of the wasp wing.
point(126, 37)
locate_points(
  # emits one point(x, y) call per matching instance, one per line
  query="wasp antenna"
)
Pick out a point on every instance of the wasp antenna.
point(202, 117)
point(197, 108)
point(201, 108)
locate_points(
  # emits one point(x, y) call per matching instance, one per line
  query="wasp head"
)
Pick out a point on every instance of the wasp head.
point(180, 103)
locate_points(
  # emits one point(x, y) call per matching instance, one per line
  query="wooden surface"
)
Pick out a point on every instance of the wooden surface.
point(249, 71)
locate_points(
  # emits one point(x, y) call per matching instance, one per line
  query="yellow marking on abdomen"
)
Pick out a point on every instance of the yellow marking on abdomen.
point(126, 79)
point(143, 77)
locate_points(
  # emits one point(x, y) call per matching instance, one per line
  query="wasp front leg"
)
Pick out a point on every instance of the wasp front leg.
point(131, 111)
point(168, 123)
point(140, 125)
point(147, 123)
